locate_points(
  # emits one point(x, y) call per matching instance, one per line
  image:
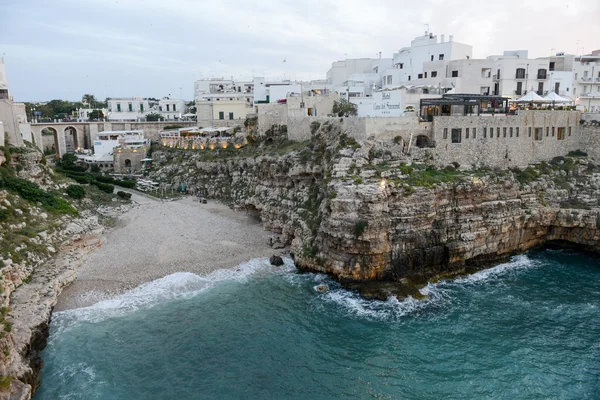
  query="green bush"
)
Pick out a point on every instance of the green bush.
point(105, 187)
point(314, 127)
point(75, 192)
point(360, 227)
point(124, 195)
point(95, 169)
point(525, 176)
point(5, 214)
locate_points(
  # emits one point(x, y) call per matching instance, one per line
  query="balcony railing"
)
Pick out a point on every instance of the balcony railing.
point(518, 92)
point(496, 77)
point(542, 76)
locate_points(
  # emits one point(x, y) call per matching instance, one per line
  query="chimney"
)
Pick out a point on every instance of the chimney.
point(443, 37)
point(450, 38)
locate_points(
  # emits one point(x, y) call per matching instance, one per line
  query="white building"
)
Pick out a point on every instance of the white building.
point(393, 103)
point(514, 74)
point(409, 62)
point(105, 143)
point(171, 109)
point(341, 71)
point(128, 109)
point(587, 82)
point(83, 114)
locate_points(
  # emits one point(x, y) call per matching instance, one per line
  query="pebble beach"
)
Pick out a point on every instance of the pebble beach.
point(157, 238)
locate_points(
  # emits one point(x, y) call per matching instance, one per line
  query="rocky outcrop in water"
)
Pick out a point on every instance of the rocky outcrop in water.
point(367, 211)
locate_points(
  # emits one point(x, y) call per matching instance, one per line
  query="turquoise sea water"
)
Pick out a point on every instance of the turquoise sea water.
point(528, 329)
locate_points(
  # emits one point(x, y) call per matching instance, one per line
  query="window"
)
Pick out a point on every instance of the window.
point(529, 129)
point(221, 115)
point(119, 107)
point(520, 73)
point(474, 133)
point(401, 65)
point(441, 57)
point(511, 131)
point(541, 88)
point(433, 74)
point(552, 63)
point(141, 107)
point(432, 57)
point(547, 131)
point(552, 131)
point(467, 133)
point(456, 134)
point(409, 77)
point(168, 107)
point(445, 133)
point(519, 88)
point(425, 75)
point(504, 132)
point(541, 74)
point(420, 76)
point(556, 87)
point(538, 133)
point(174, 107)
point(517, 131)
point(569, 131)
point(561, 134)
point(230, 115)
point(455, 74)
point(484, 132)
point(130, 107)
point(497, 132)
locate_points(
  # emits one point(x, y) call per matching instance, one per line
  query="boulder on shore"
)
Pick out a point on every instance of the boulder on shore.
point(322, 288)
point(276, 260)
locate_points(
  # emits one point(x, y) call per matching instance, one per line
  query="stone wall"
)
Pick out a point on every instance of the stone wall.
point(271, 114)
point(590, 141)
point(513, 142)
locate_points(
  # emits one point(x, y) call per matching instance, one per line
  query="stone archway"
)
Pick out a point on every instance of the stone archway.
point(50, 140)
point(423, 141)
point(71, 141)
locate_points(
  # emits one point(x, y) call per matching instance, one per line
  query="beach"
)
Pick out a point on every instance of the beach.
point(157, 238)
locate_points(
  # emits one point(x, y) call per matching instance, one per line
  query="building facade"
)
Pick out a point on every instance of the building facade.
point(127, 109)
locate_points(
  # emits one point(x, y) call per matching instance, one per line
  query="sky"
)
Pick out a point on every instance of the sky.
point(151, 48)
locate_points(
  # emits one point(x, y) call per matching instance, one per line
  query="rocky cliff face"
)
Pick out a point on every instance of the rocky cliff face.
point(40, 251)
point(362, 212)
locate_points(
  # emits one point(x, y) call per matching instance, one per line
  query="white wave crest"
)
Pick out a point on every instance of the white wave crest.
point(171, 287)
point(516, 263)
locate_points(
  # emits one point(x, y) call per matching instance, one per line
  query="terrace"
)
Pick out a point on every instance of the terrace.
point(463, 104)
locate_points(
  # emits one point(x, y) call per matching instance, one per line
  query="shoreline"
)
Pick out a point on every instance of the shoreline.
point(156, 238)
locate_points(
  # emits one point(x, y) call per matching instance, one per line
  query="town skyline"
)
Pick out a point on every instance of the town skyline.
point(150, 49)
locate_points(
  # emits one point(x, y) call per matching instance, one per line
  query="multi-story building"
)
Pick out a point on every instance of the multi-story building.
point(408, 62)
point(83, 114)
point(105, 143)
point(127, 109)
point(514, 74)
point(587, 82)
point(171, 109)
point(222, 100)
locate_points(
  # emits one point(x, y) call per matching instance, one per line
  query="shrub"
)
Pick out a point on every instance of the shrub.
point(397, 139)
point(360, 227)
point(105, 187)
point(95, 169)
point(124, 195)
point(525, 176)
point(167, 127)
point(75, 192)
point(126, 183)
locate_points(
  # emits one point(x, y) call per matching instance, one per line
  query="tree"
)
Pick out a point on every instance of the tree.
point(153, 117)
point(344, 108)
point(89, 99)
point(96, 115)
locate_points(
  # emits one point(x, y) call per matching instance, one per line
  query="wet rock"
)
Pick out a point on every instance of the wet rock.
point(322, 288)
point(276, 260)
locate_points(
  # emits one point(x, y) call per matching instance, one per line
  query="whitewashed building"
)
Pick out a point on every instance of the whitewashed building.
point(105, 143)
point(587, 82)
point(127, 109)
point(222, 101)
point(83, 114)
point(171, 109)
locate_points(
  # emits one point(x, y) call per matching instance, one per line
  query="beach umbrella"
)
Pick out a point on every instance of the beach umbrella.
point(554, 98)
point(531, 97)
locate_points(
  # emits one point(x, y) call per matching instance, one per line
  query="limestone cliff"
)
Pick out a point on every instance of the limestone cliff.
point(42, 241)
point(370, 212)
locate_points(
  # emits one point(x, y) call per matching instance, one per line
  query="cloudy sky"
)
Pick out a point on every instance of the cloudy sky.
point(153, 48)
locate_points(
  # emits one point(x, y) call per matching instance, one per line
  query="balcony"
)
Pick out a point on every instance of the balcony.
point(518, 92)
point(496, 77)
point(542, 76)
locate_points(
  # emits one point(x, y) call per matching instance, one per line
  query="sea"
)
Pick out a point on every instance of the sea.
point(525, 329)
